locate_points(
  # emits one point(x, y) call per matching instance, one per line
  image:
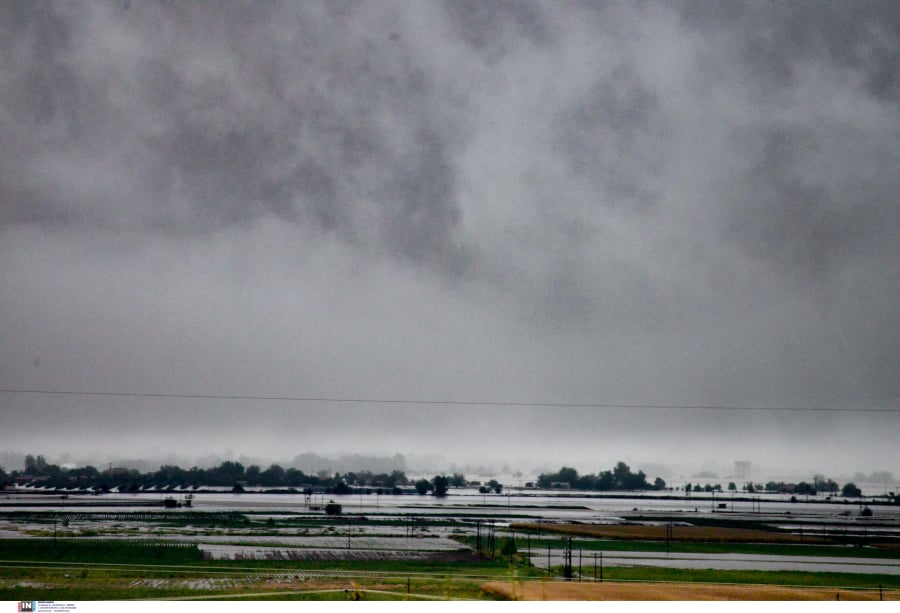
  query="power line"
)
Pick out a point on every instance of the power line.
point(473, 403)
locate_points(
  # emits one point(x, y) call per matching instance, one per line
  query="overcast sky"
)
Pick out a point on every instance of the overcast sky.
point(628, 203)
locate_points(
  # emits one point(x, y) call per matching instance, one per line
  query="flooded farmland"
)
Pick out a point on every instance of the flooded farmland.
point(257, 525)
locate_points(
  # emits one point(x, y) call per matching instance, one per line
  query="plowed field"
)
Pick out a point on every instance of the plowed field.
point(658, 533)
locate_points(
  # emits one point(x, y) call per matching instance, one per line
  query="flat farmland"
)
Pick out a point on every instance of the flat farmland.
point(563, 590)
point(656, 533)
point(436, 552)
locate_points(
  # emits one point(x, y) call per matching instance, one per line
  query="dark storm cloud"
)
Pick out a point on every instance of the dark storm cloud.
point(618, 202)
point(609, 139)
point(817, 189)
point(491, 26)
point(772, 38)
point(790, 215)
point(199, 119)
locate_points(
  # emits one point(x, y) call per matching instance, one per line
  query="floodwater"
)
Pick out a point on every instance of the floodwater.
point(531, 503)
point(463, 507)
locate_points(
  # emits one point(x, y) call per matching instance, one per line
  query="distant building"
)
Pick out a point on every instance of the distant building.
point(742, 469)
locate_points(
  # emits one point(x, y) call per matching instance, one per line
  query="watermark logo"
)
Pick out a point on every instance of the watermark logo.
point(26, 607)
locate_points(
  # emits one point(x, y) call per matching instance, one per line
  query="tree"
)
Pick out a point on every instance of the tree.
point(35, 465)
point(294, 477)
point(423, 486)
point(273, 475)
point(621, 473)
point(731, 486)
point(567, 475)
point(226, 473)
point(495, 485)
point(586, 482)
point(398, 477)
point(624, 479)
point(441, 484)
point(830, 486)
point(805, 488)
point(851, 491)
point(252, 474)
point(458, 480)
point(659, 484)
point(606, 481)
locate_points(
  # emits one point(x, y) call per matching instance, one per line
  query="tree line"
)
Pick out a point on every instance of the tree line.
point(227, 474)
point(230, 474)
point(619, 478)
point(235, 475)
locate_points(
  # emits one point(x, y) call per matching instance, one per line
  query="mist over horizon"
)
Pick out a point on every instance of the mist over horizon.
point(507, 208)
point(518, 468)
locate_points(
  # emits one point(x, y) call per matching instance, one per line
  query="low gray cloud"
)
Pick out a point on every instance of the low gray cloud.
point(654, 203)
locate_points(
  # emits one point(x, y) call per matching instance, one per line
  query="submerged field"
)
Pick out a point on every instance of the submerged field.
point(51, 555)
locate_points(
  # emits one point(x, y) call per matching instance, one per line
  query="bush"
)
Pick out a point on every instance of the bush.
point(851, 491)
point(423, 486)
point(509, 547)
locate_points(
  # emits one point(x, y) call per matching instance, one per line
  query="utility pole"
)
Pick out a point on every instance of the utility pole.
point(528, 540)
point(491, 540)
point(668, 535)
